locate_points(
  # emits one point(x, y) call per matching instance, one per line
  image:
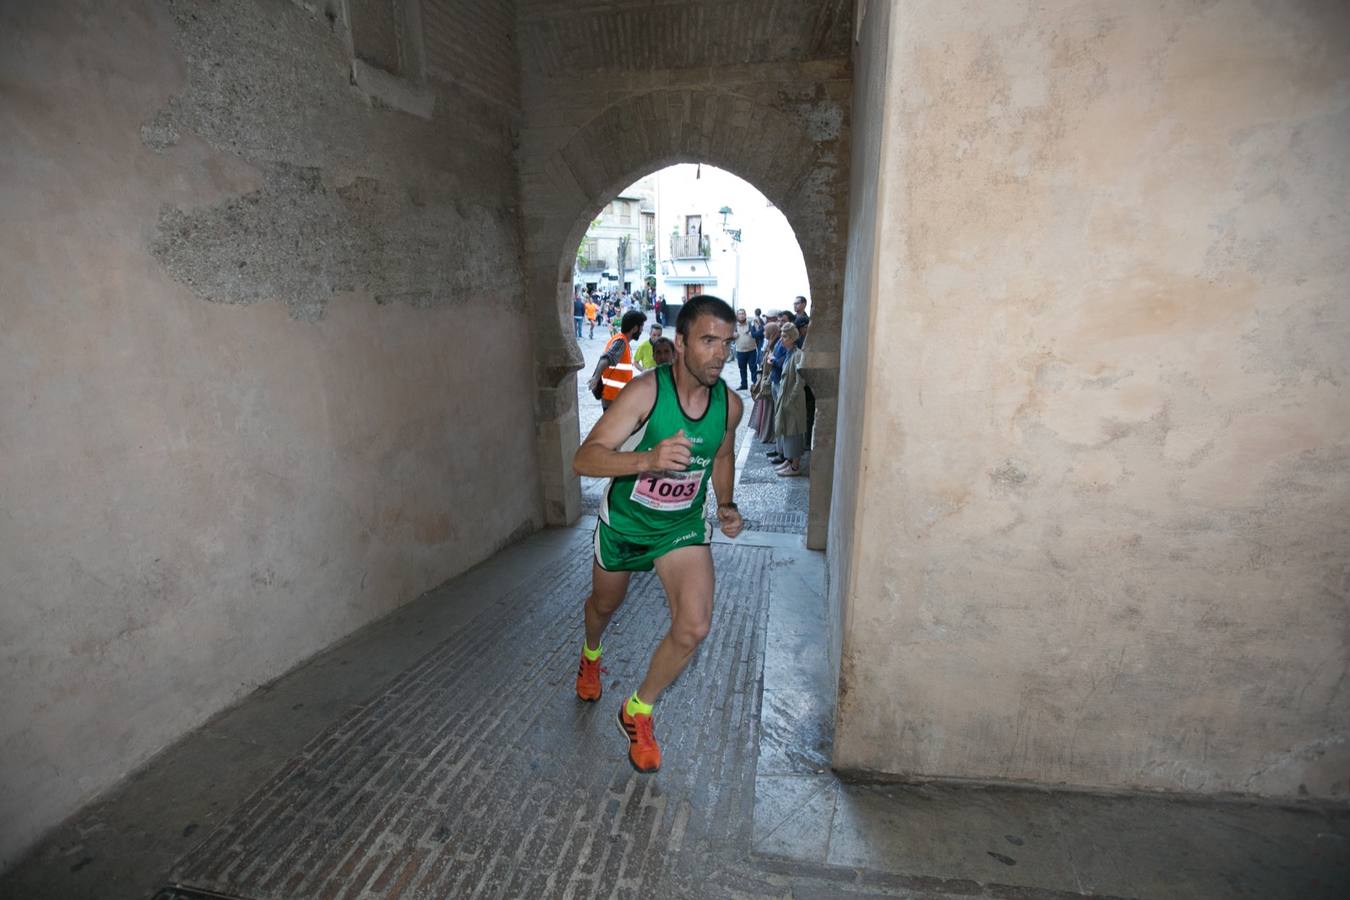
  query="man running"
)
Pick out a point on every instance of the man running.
point(658, 442)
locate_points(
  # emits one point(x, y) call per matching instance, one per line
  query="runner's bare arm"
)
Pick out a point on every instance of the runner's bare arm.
point(599, 457)
point(724, 470)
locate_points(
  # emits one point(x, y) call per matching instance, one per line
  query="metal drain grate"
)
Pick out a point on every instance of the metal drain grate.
point(789, 522)
point(181, 892)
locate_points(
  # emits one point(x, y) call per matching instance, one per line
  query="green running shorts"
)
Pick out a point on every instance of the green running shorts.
point(627, 553)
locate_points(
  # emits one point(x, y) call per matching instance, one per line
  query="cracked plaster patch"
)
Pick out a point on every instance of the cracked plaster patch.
point(301, 239)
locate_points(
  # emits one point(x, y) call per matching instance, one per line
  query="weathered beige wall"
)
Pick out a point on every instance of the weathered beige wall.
point(195, 495)
point(857, 344)
point(1104, 493)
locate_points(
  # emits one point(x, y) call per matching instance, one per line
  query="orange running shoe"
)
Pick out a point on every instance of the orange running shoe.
point(642, 750)
point(588, 679)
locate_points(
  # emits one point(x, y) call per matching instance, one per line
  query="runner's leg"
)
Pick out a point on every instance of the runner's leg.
point(607, 592)
point(687, 575)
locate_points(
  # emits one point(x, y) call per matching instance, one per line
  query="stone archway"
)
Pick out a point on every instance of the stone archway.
point(795, 154)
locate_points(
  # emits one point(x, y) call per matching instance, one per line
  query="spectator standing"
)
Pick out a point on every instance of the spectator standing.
point(771, 329)
point(789, 419)
point(777, 360)
point(803, 322)
point(761, 413)
point(757, 332)
point(745, 350)
point(764, 427)
point(578, 313)
point(642, 356)
point(800, 319)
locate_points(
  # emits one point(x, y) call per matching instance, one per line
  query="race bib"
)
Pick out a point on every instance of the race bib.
point(668, 490)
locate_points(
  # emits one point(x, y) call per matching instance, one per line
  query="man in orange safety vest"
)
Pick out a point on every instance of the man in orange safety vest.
point(615, 367)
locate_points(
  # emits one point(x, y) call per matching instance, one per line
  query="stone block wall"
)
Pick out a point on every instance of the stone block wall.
point(263, 343)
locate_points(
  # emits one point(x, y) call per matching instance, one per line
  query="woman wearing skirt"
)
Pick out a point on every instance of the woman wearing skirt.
point(789, 419)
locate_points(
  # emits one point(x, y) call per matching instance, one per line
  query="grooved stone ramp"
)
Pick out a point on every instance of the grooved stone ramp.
point(478, 773)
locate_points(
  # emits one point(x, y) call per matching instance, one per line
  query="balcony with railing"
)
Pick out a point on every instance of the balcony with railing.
point(592, 264)
point(689, 246)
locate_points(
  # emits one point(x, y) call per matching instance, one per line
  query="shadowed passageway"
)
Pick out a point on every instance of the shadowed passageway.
point(292, 555)
point(442, 753)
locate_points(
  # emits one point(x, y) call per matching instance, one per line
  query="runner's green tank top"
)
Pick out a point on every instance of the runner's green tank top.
point(656, 503)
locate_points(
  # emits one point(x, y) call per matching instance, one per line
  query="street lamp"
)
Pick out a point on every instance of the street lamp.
point(735, 235)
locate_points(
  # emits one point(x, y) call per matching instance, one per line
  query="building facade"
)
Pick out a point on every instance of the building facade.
point(616, 252)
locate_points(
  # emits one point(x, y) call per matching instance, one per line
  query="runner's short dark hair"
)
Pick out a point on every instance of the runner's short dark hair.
point(703, 305)
point(632, 319)
point(663, 342)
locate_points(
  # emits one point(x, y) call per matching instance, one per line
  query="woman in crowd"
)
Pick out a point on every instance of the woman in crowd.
point(789, 419)
point(757, 332)
point(763, 425)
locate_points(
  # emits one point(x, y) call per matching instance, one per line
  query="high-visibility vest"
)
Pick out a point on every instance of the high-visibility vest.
point(615, 377)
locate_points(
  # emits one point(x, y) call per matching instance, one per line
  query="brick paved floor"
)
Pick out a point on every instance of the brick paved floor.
point(392, 777)
point(478, 772)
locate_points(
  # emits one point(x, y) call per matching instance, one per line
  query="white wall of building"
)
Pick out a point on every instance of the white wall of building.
point(772, 270)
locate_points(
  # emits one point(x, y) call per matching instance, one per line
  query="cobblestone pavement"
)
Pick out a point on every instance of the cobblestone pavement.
point(768, 503)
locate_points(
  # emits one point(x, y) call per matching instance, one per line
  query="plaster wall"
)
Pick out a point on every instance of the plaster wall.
point(1103, 497)
point(856, 341)
point(246, 407)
